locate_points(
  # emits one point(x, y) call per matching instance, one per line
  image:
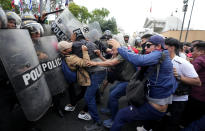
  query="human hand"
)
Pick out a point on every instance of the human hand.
point(42, 56)
point(84, 48)
point(43, 17)
point(91, 63)
point(109, 51)
point(114, 43)
point(97, 52)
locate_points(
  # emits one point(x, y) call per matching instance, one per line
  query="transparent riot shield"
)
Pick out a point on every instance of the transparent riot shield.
point(50, 61)
point(119, 38)
point(65, 24)
point(94, 31)
point(25, 73)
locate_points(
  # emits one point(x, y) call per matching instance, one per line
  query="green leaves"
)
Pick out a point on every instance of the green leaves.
point(6, 4)
point(80, 12)
point(100, 15)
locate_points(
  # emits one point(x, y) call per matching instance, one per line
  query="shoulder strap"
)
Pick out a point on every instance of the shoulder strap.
point(156, 67)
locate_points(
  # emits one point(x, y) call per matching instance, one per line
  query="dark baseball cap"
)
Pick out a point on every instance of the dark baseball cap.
point(156, 40)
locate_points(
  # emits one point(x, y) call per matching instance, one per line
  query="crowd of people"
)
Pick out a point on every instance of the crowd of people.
point(174, 72)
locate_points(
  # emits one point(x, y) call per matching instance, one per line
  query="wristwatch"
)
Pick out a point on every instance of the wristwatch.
point(178, 77)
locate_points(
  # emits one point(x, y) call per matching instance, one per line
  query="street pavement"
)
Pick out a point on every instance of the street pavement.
point(52, 122)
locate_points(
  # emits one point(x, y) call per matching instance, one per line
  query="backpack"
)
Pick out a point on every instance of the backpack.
point(124, 71)
point(136, 89)
point(70, 76)
point(77, 50)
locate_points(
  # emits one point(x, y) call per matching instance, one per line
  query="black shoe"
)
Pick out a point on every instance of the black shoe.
point(60, 113)
point(94, 127)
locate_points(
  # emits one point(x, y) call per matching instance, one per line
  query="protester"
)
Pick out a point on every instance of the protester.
point(83, 79)
point(186, 77)
point(196, 103)
point(118, 90)
point(144, 39)
point(159, 93)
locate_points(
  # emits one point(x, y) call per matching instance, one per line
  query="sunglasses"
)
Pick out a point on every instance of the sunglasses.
point(148, 45)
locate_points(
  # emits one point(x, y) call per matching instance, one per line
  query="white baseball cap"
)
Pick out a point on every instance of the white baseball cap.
point(63, 45)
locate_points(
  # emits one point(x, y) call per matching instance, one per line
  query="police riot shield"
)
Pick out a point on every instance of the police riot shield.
point(3, 19)
point(65, 24)
point(119, 38)
point(94, 31)
point(22, 66)
point(47, 30)
point(50, 61)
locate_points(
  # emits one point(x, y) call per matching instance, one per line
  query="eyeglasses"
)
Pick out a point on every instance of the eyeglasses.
point(148, 45)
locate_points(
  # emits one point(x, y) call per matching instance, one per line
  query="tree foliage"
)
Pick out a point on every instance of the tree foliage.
point(80, 12)
point(6, 4)
point(100, 15)
point(109, 25)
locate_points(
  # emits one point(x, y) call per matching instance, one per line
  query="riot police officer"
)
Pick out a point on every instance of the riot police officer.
point(126, 38)
point(47, 54)
point(14, 20)
point(12, 116)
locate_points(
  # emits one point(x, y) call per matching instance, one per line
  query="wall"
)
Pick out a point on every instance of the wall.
point(192, 35)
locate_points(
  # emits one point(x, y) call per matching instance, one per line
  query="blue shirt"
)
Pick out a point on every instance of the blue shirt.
point(166, 83)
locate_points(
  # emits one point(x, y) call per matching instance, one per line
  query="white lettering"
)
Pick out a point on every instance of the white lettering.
point(49, 65)
point(53, 64)
point(26, 77)
point(44, 66)
point(38, 71)
point(56, 29)
point(64, 37)
point(59, 33)
point(59, 61)
point(33, 75)
point(53, 25)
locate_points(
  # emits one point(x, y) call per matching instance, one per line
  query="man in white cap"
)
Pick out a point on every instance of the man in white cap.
point(77, 64)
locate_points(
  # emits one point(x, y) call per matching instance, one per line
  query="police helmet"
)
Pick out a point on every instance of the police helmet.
point(34, 28)
point(23, 23)
point(3, 19)
point(25, 17)
point(108, 33)
point(13, 16)
point(138, 39)
point(126, 36)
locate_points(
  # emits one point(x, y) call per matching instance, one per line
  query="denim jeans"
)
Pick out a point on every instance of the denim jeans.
point(131, 113)
point(96, 79)
point(115, 95)
point(197, 125)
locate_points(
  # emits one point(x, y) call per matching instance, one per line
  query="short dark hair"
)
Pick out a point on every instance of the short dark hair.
point(187, 44)
point(198, 41)
point(200, 46)
point(146, 36)
point(172, 42)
